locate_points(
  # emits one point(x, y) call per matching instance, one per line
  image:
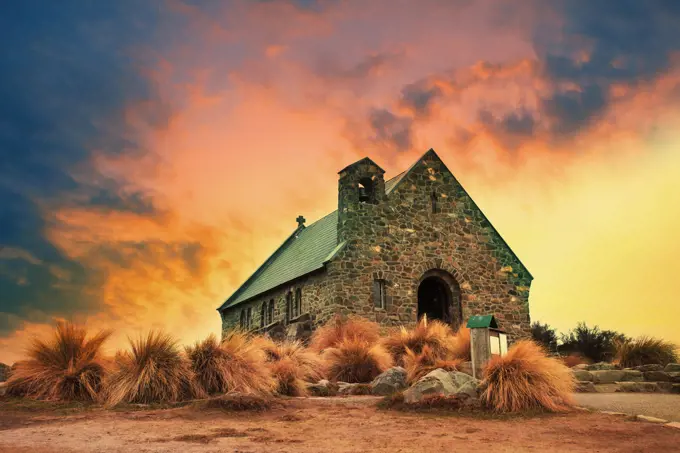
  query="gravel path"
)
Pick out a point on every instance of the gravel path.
point(652, 404)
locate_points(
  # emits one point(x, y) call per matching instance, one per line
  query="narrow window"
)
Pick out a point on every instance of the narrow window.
point(298, 302)
point(380, 294)
point(263, 314)
point(433, 197)
point(289, 306)
point(242, 321)
point(270, 318)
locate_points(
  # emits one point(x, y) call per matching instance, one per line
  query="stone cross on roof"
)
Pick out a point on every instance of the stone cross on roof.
point(301, 221)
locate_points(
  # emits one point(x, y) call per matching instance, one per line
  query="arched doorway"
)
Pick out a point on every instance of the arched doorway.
point(439, 298)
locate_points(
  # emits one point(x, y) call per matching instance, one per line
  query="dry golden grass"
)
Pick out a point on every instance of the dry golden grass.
point(418, 365)
point(68, 367)
point(646, 350)
point(435, 334)
point(461, 345)
point(237, 364)
point(341, 328)
point(356, 361)
point(526, 379)
point(153, 371)
point(292, 365)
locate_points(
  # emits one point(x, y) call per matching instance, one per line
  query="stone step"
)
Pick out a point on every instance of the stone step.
point(628, 387)
point(611, 376)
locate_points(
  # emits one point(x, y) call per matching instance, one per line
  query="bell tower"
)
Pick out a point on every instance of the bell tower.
point(361, 200)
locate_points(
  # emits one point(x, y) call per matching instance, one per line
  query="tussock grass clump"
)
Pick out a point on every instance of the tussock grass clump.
point(646, 350)
point(526, 379)
point(418, 365)
point(436, 335)
point(292, 365)
point(68, 367)
point(461, 346)
point(237, 364)
point(153, 371)
point(341, 328)
point(356, 361)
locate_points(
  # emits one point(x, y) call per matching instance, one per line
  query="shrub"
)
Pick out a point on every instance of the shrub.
point(341, 328)
point(592, 343)
point(291, 365)
point(435, 334)
point(572, 360)
point(544, 335)
point(525, 379)
point(234, 365)
point(69, 367)
point(153, 371)
point(645, 351)
point(418, 365)
point(357, 361)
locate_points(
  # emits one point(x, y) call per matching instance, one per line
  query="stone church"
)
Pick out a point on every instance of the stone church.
point(393, 251)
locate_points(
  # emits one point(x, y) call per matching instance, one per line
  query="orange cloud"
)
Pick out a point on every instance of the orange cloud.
point(253, 141)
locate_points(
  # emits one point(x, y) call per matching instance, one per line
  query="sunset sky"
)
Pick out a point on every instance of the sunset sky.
point(154, 153)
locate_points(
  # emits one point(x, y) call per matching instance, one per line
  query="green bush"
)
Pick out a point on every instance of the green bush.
point(592, 343)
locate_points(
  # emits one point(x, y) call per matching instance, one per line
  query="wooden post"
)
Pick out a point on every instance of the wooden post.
point(479, 349)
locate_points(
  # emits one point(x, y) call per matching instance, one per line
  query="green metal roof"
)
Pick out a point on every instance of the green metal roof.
point(305, 251)
point(482, 321)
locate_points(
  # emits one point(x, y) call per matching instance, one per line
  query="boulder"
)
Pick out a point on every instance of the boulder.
point(323, 388)
point(611, 376)
point(652, 367)
point(675, 388)
point(444, 383)
point(672, 368)
point(656, 376)
point(580, 366)
point(582, 375)
point(674, 376)
point(389, 382)
point(345, 388)
point(599, 366)
point(465, 367)
point(585, 387)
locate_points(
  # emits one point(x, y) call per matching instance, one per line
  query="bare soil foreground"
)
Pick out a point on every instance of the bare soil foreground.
point(353, 424)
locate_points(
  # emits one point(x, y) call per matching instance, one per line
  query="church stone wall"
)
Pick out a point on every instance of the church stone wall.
point(400, 238)
point(314, 292)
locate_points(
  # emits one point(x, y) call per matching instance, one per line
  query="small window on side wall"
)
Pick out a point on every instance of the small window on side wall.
point(380, 294)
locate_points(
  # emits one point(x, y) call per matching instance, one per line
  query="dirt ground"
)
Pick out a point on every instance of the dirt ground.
point(351, 424)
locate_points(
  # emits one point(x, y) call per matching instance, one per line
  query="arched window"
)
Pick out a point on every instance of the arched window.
point(289, 306)
point(242, 321)
point(433, 198)
point(263, 314)
point(298, 302)
point(366, 190)
point(270, 317)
